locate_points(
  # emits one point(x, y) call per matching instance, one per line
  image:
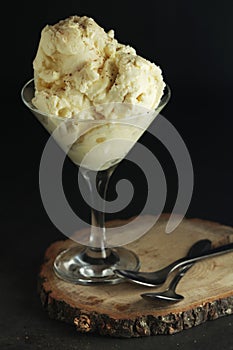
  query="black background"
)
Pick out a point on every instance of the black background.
point(192, 42)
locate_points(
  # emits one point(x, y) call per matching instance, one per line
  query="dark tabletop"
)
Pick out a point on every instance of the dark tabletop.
point(192, 41)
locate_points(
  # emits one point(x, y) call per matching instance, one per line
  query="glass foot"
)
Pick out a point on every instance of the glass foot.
point(80, 265)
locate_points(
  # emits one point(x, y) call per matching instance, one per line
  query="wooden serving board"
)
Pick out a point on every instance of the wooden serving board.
point(119, 311)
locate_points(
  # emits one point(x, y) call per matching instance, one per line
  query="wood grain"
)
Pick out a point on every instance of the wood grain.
point(119, 310)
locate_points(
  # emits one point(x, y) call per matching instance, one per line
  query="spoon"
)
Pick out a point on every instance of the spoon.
point(198, 247)
point(169, 294)
point(156, 278)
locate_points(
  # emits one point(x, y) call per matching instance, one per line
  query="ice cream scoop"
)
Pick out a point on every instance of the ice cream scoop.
point(98, 94)
point(79, 65)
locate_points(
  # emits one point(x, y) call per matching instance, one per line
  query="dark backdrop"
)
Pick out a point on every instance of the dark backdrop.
point(190, 40)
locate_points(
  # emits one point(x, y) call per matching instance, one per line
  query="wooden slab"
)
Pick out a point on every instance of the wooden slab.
point(119, 311)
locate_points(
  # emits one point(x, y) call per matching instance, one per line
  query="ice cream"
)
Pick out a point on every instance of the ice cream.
point(84, 76)
point(79, 65)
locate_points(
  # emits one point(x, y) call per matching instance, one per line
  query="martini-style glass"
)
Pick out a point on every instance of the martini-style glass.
point(96, 140)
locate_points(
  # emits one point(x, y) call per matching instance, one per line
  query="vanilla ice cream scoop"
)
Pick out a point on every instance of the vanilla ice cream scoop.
point(94, 95)
point(78, 65)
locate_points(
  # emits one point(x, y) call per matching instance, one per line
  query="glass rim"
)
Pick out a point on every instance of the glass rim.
point(164, 100)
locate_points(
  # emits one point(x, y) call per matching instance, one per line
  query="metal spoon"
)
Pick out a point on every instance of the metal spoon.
point(198, 247)
point(169, 294)
point(156, 278)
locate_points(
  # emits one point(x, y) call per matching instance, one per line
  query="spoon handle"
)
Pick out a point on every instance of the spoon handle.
point(178, 276)
point(227, 248)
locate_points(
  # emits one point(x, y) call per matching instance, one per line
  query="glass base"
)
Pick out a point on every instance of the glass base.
point(81, 265)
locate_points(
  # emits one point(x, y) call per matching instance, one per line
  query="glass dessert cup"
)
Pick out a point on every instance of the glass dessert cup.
point(96, 144)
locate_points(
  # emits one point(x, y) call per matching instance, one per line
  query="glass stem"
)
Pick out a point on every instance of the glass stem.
point(97, 241)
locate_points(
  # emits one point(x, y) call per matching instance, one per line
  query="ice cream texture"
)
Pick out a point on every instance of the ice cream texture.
point(95, 95)
point(78, 65)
